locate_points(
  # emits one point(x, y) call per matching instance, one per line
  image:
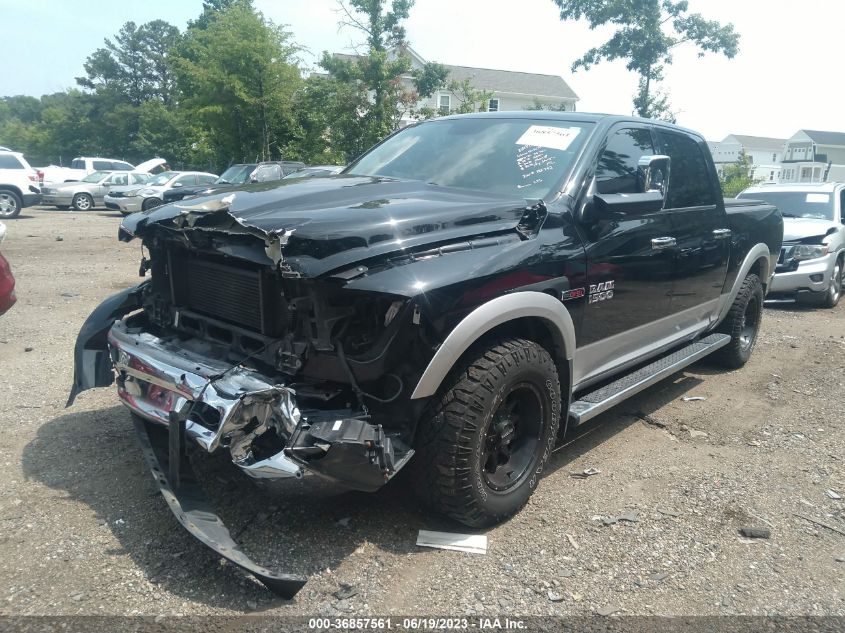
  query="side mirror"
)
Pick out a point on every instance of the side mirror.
point(653, 174)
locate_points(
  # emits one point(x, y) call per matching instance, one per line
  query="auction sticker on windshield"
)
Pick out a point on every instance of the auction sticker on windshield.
point(818, 197)
point(549, 136)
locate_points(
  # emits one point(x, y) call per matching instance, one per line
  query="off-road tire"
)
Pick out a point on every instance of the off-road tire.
point(834, 291)
point(748, 306)
point(453, 442)
point(11, 204)
point(82, 202)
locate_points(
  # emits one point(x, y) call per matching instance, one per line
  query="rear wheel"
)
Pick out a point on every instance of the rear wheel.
point(10, 204)
point(742, 324)
point(82, 202)
point(487, 437)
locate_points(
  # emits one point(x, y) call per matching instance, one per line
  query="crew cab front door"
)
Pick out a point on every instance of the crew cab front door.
point(699, 226)
point(629, 260)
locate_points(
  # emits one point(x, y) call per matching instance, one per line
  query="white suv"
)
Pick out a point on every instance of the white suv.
point(18, 185)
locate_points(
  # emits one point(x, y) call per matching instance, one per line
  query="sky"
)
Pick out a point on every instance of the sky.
point(784, 78)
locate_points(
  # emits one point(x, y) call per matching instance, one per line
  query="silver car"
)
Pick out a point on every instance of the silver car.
point(89, 192)
point(812, 259)
point(132, 199)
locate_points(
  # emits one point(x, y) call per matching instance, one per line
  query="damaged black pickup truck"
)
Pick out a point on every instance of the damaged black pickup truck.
point(449, 304)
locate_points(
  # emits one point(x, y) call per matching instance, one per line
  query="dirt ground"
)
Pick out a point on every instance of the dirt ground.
point(83, 529)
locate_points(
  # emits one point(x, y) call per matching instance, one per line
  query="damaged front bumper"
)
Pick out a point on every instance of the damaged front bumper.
point(223, 406)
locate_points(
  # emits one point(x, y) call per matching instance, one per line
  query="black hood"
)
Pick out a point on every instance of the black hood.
point(329, 223)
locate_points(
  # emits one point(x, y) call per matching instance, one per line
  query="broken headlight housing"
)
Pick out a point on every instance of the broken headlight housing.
point(802, 252)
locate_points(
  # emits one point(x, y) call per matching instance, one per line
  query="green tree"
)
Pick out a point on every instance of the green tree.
point(647, 32)
point(135, 66)
point(377, 93)
point(737, 176)
point(237, 77)
point(537, 104)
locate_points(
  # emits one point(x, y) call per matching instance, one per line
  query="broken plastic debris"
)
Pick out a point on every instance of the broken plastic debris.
point(755, 532)
point(472, 543)
point(693, 398)
point(587, 472)
point(833, 494)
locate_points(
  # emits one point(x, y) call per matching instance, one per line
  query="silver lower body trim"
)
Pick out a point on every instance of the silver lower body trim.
point(157, 377)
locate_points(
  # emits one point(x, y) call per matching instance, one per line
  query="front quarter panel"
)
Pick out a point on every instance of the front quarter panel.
point(91, 363)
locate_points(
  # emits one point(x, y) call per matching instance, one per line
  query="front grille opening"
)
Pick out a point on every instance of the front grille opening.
point(239, 294)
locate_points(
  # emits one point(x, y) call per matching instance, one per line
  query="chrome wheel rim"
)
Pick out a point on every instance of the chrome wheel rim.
point(836, 282)
point(8, 205)
point(83, 203)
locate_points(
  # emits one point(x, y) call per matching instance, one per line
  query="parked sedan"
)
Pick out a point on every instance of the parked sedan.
point(236, 175)
point(131, 199)
point(90, 191)
point(7, 282)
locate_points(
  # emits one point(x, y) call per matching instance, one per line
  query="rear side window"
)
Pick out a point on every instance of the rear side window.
point(689, 181)
point(77, 163)
point(7, 161)
point(102, 165)
point(619, 162)
point(121, 166)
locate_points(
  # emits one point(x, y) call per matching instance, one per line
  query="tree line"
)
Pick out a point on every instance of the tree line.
point(232, 86)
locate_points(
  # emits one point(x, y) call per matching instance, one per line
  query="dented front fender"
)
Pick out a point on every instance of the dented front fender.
point(91, 363)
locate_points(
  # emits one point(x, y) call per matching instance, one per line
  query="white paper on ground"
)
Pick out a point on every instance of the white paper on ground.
point(549, 136)
point(472, 543)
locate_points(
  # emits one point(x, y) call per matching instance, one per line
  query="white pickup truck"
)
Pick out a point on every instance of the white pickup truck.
point(83, 166)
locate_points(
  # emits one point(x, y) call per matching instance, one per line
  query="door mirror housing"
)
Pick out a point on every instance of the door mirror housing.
point(653, 174)
point(628, 203)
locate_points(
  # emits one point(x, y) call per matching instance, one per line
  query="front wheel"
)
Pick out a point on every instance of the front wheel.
point(150, 203)
point(487, 437)
point(742, 324)
point(834, 292)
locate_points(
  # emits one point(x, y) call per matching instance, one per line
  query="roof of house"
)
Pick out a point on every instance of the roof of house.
point(508, 81)
point(513, 82)
point(758, 142)
point(825, 138)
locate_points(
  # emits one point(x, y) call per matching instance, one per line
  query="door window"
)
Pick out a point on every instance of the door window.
point(102, 165)
point(690, 184)
point(119, 179)
point(7, 161)
point(186, 181)
point(619, 162)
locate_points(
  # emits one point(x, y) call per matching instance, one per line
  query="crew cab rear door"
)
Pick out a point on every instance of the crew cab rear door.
point(628, 269)
point(699, 226)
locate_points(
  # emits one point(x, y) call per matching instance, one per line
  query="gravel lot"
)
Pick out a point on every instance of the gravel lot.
point(85, 531)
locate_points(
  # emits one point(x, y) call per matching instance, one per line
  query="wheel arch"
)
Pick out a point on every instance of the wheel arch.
point(758, 261)
point(527, 314)
point(14, 189)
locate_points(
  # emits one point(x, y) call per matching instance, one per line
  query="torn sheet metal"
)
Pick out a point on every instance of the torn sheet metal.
point(472, 543)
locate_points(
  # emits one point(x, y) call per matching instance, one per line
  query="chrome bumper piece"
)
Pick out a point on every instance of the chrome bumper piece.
point(157, 377)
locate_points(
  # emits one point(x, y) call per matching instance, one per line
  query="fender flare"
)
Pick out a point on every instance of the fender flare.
point(488, 316)
point(757, 253)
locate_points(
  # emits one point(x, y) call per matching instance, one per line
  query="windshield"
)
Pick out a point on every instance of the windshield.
point(520, 157)
point(96, 176)
point(235, 175)
point(163, 178)
point(797, 204)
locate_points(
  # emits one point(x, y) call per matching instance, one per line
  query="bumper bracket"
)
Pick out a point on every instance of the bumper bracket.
point(192, 509)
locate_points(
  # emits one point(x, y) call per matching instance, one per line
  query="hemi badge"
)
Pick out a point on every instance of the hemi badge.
point(575, 293)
